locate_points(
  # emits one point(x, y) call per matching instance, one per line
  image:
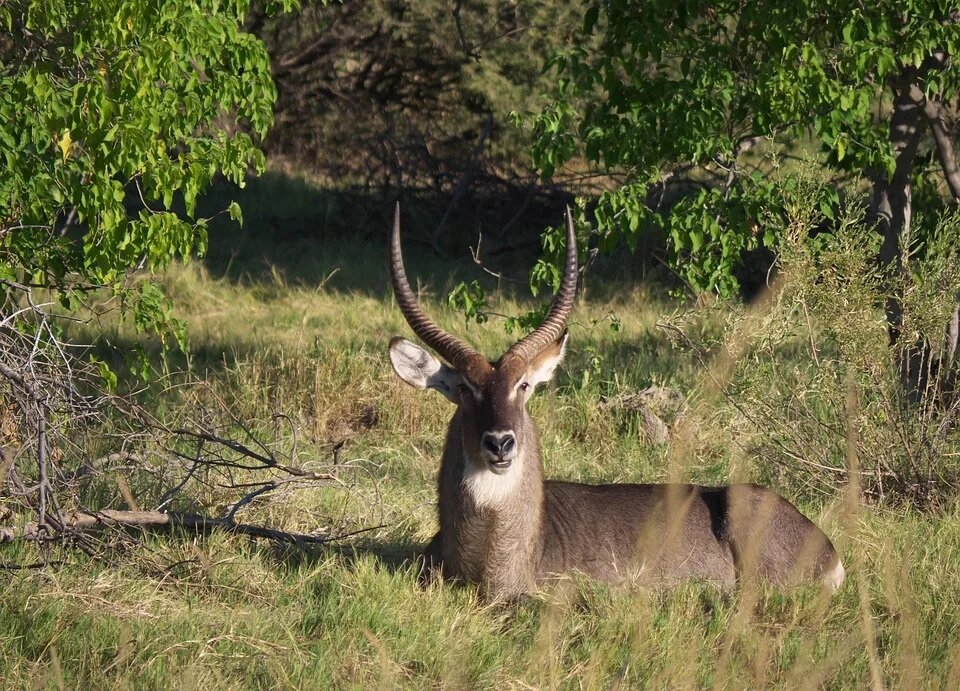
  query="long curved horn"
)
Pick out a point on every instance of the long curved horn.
point(555, 321)
point(449, 347)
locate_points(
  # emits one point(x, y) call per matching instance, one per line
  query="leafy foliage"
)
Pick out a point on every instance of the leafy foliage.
point(114, 116)
point(410, 93)
point(689, 88)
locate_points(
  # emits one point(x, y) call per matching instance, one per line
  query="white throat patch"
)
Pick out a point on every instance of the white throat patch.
point(487, 489)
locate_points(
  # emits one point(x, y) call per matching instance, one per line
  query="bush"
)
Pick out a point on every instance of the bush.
point(816, 378)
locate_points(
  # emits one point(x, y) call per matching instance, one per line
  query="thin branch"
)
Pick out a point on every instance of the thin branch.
point(475, 253)
point(933, 111)
point(7, 566)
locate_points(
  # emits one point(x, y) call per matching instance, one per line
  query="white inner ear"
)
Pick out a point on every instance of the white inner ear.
point(544, 365)
point(421, 370)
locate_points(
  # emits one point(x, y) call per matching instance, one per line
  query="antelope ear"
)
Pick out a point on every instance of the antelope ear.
point(541, 368)
point(421, 370)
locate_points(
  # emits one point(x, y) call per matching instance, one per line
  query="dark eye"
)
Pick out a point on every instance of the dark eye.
point(524, 386)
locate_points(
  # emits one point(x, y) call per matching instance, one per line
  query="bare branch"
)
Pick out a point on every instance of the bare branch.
point(933, 110)
point(55, 400)
point(154, 519)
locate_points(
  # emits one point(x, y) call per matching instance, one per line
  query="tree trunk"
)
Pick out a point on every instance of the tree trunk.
point(922, 371)
point(892, 196)
point(933, 109)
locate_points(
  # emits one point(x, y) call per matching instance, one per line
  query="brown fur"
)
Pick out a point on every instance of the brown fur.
point(658, 534)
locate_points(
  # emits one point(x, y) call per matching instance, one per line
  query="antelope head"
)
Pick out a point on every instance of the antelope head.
point(496, 432)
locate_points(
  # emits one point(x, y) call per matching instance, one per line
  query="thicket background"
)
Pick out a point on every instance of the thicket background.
point(210, 475)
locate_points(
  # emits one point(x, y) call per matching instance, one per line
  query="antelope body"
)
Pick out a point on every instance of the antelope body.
point(507, 529)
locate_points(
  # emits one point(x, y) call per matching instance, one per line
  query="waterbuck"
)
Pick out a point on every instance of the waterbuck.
point(505, 528)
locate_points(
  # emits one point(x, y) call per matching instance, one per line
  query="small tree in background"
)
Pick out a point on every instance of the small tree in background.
point(687, 90)
point(110, 113)
point(403, 94)
point(114, 116)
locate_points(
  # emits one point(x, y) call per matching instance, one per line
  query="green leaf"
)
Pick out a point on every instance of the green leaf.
point(107, 375)
point(235, 213)
point(65, 144)
point(590, 18)
point(696, 240)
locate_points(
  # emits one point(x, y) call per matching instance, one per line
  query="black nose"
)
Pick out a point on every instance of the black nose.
point(500, 444)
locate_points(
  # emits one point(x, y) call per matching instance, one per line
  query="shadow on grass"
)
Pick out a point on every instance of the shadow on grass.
point(296, 233)
point(306, 232)
point(635, 360)
point(392, 556)
point(121, 353)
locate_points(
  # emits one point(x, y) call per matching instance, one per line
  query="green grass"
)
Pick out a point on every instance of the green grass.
point(180, 611)
point(238, 615)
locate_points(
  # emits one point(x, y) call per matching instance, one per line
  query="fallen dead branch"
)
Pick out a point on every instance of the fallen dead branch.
point(74, 521)
point(5, 566)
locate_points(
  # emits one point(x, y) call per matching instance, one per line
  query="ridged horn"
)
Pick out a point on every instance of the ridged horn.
point(556, 320)
point(447, 346)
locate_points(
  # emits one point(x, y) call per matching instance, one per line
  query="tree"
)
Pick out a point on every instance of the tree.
point(114, 117)
point(692, 87)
